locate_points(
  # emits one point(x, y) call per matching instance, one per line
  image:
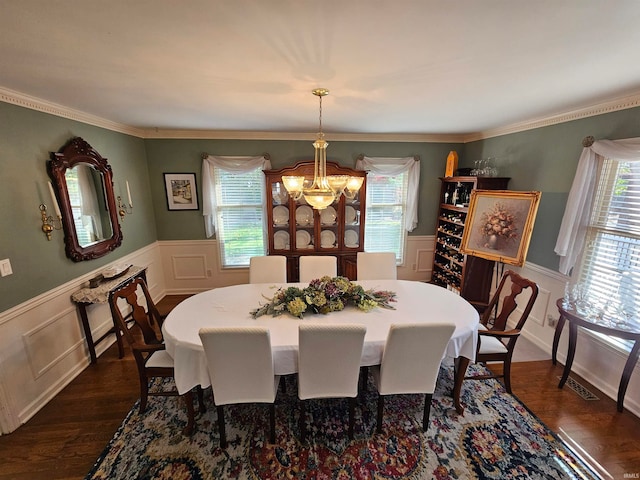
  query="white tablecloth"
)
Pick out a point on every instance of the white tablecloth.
point(230, 306)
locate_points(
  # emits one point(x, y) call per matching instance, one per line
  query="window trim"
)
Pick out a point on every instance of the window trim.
point(210, 203)
point(393, 166)
point(402, 254)
point(606, 179)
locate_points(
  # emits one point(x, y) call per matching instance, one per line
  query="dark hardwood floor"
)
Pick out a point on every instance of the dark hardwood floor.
point(63, 440)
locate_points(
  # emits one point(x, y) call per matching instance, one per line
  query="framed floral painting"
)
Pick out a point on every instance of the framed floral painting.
point(181, 191)
point(499, 225)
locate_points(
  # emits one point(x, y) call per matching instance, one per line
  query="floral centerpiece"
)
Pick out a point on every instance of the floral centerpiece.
point(324, 295)
point(497, 224)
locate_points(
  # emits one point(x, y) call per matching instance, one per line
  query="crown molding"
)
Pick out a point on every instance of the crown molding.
point(309, 136)
point(33, 103)
point(621, 103)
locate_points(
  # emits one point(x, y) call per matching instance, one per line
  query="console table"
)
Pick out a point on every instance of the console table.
point(101, 294)
point(627, 332)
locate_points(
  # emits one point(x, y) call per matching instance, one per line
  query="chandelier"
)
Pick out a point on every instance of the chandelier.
point(325, 189)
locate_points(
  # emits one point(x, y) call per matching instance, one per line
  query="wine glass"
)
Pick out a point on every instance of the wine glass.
point(476, 168)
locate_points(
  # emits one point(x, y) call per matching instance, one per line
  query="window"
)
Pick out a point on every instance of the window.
point(385, 218)
point(239, 215)
point(233, 206)
point(392, 202)
point(610, 266)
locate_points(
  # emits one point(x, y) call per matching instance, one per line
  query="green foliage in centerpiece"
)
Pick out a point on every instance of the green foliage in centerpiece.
point(324, 295)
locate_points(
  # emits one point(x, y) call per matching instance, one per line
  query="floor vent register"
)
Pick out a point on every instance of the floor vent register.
point(580, 389)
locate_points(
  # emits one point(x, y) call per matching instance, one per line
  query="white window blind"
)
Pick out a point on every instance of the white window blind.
point(75, 200)
point(610, 266)
point(386, 207)
point(240, 215)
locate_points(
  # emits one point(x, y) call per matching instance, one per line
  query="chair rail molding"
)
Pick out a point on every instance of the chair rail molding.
point(30, 376)
point(21, 397)
point(597, 361)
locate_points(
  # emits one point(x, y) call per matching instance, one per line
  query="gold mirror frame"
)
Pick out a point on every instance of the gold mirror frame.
point(76, 152)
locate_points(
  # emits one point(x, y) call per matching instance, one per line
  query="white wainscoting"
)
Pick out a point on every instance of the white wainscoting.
point(42, 345)
point(599, 363)
point(193, 265)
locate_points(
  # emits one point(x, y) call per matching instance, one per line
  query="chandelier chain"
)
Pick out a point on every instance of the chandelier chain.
point(320, 96)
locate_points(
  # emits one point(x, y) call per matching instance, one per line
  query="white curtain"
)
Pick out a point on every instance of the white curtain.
point(390, 167)
point(229, 164)
point(579, 204)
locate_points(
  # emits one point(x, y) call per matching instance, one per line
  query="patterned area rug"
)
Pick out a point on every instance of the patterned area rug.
point(496, 438)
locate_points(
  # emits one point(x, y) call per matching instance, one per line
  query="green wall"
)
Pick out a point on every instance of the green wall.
point(185, 156)
point(26, 138)
point(542, 159)
point(545, 159)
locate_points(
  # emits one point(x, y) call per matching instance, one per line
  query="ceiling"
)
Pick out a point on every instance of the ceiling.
point(393, 67)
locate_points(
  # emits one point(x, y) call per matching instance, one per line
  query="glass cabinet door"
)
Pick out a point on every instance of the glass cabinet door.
point(304, 239)
point(280, 216)
point(352, 216)
point(329, 226)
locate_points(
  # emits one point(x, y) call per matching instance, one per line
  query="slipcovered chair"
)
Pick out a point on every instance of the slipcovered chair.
point(377, 266)
point(312, 267)
point(149, 352)
point(411, 362)
point(268, 269)
point(240, 367)
point(496, 343)
point(329, 365)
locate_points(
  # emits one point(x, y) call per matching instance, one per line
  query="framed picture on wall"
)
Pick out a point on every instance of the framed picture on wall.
point(499, 225)
point(181, 191)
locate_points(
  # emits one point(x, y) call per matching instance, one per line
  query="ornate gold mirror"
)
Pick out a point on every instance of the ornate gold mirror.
point(83, 183)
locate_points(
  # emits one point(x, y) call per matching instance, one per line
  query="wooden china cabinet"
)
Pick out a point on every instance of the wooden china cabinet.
point(295, 229)
point(466, 275)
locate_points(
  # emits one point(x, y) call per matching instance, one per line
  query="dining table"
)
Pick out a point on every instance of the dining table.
point(415, 302)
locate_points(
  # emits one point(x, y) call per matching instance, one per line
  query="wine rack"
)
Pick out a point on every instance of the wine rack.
point(464, 274)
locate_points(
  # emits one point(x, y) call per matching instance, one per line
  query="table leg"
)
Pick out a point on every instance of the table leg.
point(82, 308)
point(556, 338)
point(626, 373)
point(573, 334)
point(116, 330)
point(460, 371)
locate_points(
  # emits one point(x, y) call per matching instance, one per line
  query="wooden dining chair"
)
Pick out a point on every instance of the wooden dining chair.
point(329, 365)
point(312, 267)
point(152, 359)
point(410, 363)
point(240, 365)
point(496, 342)
point(377, 266)
point(268, 269)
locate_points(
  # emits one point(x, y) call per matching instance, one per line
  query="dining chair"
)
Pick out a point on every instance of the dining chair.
point(496, 342)
point(240, 365)
point(268, 269)
point(410, 363)
point(152, 359)
point(312, 267)
point(329, 365)
point(377, 266)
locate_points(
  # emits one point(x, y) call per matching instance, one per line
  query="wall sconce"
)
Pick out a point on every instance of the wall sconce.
point(122, 208)
point(49, 224)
